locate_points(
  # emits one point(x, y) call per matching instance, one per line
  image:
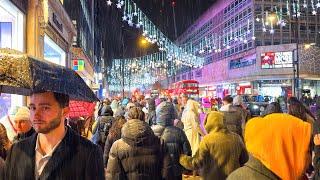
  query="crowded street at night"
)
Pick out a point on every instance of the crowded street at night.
point(159, 89)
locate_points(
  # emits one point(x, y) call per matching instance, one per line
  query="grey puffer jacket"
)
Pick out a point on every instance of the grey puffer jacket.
point(136, 155)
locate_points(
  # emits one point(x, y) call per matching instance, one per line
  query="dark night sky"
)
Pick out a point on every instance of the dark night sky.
point(117, 34)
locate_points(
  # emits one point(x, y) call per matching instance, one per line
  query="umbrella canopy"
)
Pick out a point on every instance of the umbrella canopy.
point(21, 74)
point(81, 108)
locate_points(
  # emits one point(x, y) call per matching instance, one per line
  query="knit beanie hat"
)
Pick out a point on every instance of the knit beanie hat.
point(23, 113)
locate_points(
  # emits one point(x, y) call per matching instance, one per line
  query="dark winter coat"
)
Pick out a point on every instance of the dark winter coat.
point(233, 120)
point(151, 112)
point(174, 140)
point(175, 143)
point(104, 123)
point(253, 169)
point(114, 134)
point(22, 136)
point(74, 158)
point(136, 155)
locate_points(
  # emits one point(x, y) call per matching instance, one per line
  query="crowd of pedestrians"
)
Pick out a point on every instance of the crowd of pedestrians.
point(162, 138)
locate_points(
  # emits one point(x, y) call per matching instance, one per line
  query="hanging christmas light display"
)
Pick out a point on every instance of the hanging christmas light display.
point(282, 15)
point(172, 56)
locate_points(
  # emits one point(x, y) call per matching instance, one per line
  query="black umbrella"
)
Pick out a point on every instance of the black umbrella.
point(21, 74)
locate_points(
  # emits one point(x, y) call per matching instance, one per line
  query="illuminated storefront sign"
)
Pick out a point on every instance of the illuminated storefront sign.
point(78, 65)
point(241, 62)
point(271, 60)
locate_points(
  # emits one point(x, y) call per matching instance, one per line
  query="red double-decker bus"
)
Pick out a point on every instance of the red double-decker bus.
point(188, 87)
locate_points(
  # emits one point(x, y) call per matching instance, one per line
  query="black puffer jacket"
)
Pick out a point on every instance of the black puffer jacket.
point(136, 155)
point(175, 143)
point(173, 138)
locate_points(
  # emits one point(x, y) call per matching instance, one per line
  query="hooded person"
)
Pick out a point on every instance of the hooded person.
point(104, 123)
point(137, 154)
point(191, 122)
point(220, 151)
point(174, 140)
point(278, 145)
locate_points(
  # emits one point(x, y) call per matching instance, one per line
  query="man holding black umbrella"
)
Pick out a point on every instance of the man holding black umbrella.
point(55, 151)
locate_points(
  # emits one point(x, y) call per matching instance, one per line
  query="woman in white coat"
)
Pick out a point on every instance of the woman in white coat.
point(190, 119)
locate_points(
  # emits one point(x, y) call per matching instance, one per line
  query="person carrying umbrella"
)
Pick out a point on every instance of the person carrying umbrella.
point(54, 151)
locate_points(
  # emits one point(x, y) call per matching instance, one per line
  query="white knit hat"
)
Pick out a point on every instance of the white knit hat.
point(237, 101)
point(23, 113)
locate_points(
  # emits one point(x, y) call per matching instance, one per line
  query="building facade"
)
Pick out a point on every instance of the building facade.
point(13, 36)
point(40, 28)
point(253, 54)
point(87, 44)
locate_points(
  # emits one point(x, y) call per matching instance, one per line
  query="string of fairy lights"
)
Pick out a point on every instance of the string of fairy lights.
point(171, 56)
point(281, 16)
point(137, 72)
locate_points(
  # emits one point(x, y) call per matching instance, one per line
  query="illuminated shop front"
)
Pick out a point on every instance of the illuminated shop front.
point(12, 35)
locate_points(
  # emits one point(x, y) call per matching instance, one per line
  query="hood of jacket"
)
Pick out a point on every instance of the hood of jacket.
point(280, 142)
point(137, 133)
point(214, 122)
point(165, 114)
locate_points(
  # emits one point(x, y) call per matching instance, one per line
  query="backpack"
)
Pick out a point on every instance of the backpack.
point(102, 131)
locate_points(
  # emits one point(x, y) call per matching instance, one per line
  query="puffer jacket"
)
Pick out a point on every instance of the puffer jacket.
point(136, 155)
point(175, 142)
